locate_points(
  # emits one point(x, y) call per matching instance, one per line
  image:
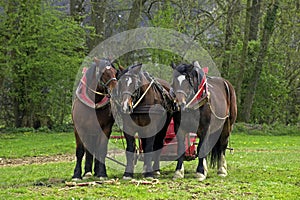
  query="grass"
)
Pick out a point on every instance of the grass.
point(261, 167)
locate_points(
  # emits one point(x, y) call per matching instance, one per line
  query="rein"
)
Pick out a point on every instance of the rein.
point(143, 95)
point(94, 91)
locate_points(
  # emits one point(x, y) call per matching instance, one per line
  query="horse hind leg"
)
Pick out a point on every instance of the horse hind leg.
point(222, 166)
point(223, 142)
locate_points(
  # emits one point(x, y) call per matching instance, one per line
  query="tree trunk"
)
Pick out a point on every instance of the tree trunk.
point(244, 54)
point(98, 21)
point(228, 37)
point(132, 23)
point(255, 18)
point(135, 14)
point(77, 9)
point(267, 33)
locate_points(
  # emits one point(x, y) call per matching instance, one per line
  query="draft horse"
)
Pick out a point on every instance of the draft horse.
point(202, 103)
point(145, 107)
point(92, 117)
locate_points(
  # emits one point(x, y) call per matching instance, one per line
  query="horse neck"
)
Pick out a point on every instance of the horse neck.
point(149, 98)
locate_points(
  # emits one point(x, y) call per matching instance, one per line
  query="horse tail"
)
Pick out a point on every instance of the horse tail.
point(221, 145)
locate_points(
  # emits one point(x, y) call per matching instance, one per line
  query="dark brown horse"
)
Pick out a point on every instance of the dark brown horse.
point(145, 107)
point(207, 106)
point(92, 117)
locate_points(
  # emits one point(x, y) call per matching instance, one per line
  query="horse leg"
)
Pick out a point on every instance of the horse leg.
point(147, 144)
point(101, 152)
point(79, 155)
point(130, 151)
point(223, 142)
point(157, 147)
point(202, 169)
point(88, 165)
point(179, 172)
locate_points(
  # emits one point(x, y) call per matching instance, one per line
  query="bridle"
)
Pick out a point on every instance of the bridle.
point(101, 83)
point(191, 92)
point(136, 83)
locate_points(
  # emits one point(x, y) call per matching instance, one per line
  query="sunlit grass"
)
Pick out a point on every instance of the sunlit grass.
point(261, 167)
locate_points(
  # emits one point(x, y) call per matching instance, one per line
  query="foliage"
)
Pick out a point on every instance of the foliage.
point(42, 49)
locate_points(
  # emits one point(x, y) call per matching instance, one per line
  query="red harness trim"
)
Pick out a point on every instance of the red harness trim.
point(82, 95)
point(199, 97)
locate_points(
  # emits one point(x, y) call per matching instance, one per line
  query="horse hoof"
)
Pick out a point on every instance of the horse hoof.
point(76, 179)
point(200, 177)
point(149, 178)
point(102, 178)
point(156, 173)
point(179, 174)
point(87, 175)
point(127, 178)
point(222, 172)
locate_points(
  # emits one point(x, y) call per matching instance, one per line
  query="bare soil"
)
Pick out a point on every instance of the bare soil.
point(36, 160)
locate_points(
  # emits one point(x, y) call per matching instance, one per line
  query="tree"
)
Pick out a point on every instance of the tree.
point(269, 23)
point(42, 49)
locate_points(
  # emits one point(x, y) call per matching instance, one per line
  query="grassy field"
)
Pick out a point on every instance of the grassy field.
point(263, 166)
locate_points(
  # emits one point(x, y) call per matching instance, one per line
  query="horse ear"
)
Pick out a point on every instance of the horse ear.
point(137, 68)
point(96, 60)
point(196, 64)
point(121, 68)
point(173, 65)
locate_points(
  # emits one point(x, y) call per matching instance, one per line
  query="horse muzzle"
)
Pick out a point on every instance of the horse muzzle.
point(127, 107)
point(180, 106)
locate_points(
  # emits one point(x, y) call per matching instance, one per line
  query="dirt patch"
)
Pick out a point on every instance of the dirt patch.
point(36, 160)
point(48, 159)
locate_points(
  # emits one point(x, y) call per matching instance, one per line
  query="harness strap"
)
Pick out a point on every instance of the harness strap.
point(140, 99)
point(94, 91)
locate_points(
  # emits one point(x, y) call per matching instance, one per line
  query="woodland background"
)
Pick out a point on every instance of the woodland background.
point(254, 43)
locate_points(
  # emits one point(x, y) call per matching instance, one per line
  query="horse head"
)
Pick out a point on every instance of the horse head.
point(128, 87)
point(186, 78)
point(105, 74)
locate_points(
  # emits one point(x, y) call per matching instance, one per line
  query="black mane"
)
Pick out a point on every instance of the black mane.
point(126, 70)
point(184, 68)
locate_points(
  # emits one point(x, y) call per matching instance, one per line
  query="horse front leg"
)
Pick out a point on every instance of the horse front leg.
point(101, 152)
point(147, 144)
point(79, 155)
point(130, 151)
point(157, 148)
point(202, 169)
point(88, 165)
point(179, 172)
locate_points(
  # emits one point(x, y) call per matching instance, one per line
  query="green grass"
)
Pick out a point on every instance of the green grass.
point(261, 167)
point(17, 145)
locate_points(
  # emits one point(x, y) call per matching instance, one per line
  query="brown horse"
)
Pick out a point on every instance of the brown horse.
point(145, 107)
point(206, 106)
point(92, 117)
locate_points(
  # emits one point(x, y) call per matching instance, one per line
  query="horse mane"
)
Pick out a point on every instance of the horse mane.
point(127, 70)
point(184, 68)
point(89, 74)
